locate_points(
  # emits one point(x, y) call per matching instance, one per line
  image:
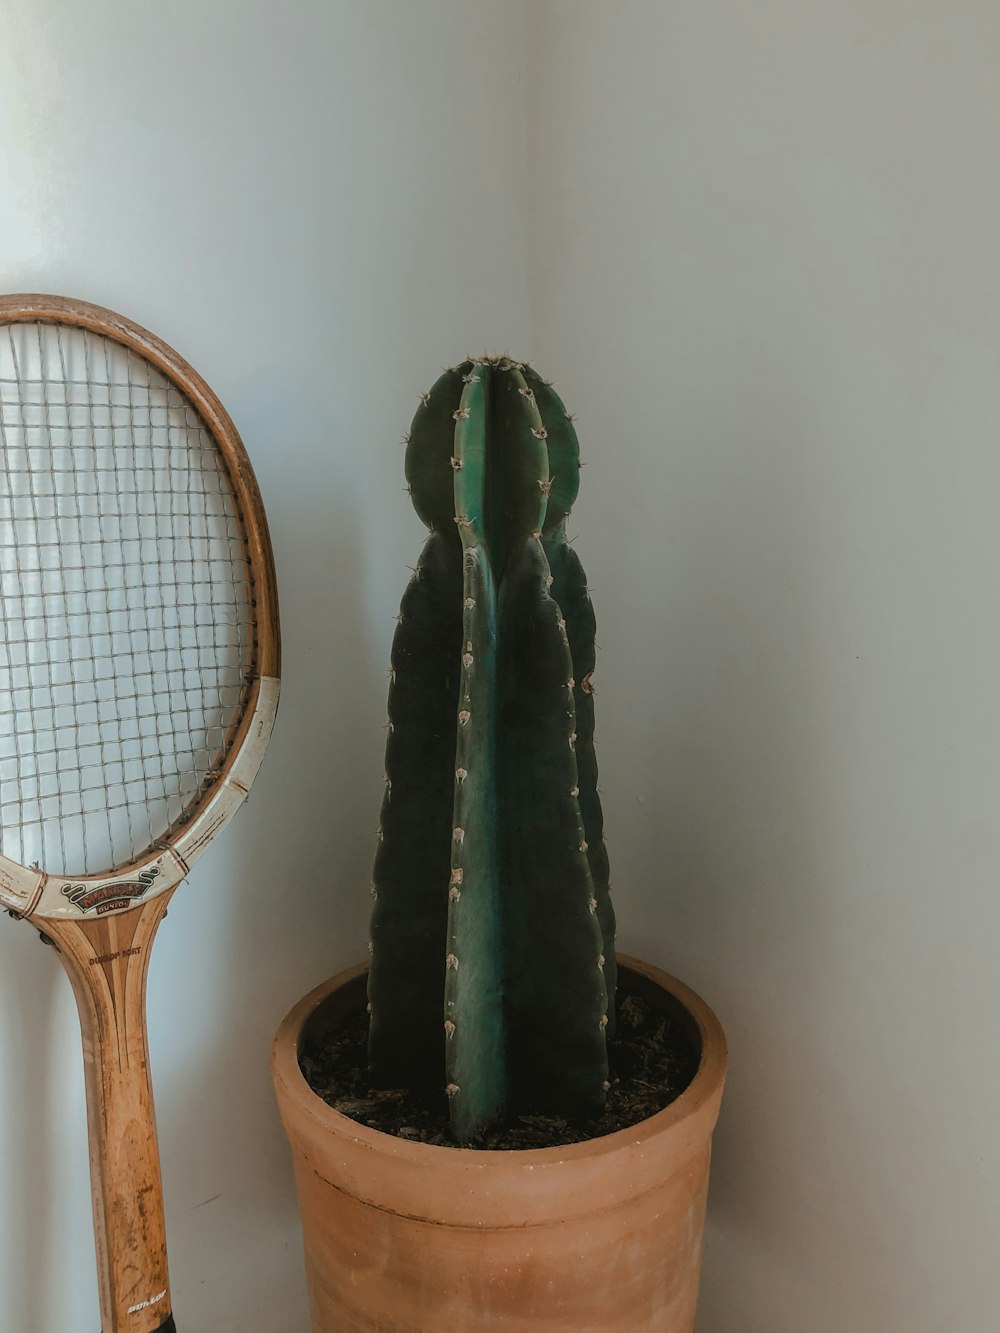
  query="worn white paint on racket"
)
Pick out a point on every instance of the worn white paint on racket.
point(28, 892)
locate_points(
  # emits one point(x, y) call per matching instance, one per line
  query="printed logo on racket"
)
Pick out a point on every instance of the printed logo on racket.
point(108, 897)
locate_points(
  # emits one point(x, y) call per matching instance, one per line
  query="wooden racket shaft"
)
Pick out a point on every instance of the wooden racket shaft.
point(139, 664)
point(107, 961)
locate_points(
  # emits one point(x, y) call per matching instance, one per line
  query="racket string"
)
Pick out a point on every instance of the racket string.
point(129, 640)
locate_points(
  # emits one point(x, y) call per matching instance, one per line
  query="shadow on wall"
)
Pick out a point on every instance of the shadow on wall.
point(28, 1009)
point(276, 905)
point(756, 768)
point(736, 813)
point(291, 909)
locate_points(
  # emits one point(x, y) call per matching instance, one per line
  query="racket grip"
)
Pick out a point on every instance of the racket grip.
point(168, 1327)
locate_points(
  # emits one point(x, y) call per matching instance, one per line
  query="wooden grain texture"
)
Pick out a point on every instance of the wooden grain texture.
point(107, 960)
point(107, 956)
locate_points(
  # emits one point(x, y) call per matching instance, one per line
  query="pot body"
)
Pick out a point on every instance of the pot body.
point(405, 1237)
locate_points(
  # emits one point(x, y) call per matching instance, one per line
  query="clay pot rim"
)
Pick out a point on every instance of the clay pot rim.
point(706, 1086)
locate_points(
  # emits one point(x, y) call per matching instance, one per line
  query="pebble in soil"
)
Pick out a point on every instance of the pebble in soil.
point(652, 1061)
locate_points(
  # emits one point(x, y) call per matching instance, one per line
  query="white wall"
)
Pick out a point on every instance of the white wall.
point(761, 242)
point(765, 273)
point(319, 205)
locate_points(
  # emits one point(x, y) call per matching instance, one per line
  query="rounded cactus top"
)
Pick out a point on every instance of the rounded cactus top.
point(492, 454)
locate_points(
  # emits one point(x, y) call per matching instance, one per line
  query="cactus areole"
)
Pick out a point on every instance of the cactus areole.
point(492, 932)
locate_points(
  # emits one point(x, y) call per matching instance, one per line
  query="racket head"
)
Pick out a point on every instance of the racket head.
point(139, 641)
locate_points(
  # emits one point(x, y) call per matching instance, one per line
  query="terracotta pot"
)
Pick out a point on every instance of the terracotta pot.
point(599, 1237)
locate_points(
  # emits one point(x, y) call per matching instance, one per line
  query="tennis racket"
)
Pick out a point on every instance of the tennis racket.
point(139, 662)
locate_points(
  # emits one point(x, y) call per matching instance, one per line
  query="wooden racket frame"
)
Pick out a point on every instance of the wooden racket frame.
point(107, 956)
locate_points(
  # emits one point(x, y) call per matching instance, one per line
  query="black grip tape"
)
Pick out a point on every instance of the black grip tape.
point(168, 1326)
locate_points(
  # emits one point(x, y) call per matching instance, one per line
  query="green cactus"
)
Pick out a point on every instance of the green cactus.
point(492, 930)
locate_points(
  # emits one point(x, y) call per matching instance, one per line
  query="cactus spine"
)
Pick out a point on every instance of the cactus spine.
point(492, 929)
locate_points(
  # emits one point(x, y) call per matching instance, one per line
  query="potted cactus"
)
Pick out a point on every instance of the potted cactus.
point(493, 973)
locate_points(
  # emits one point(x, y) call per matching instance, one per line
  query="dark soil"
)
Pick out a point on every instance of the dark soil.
point(652, 1062)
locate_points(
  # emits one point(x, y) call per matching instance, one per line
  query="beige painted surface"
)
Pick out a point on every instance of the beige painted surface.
point(318, 204)
point(765, 274)
point(763, 263)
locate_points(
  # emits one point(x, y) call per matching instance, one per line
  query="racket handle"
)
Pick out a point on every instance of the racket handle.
point(107, 960)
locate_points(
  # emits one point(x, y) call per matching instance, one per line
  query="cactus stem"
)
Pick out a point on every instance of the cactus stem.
point(509, 512)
